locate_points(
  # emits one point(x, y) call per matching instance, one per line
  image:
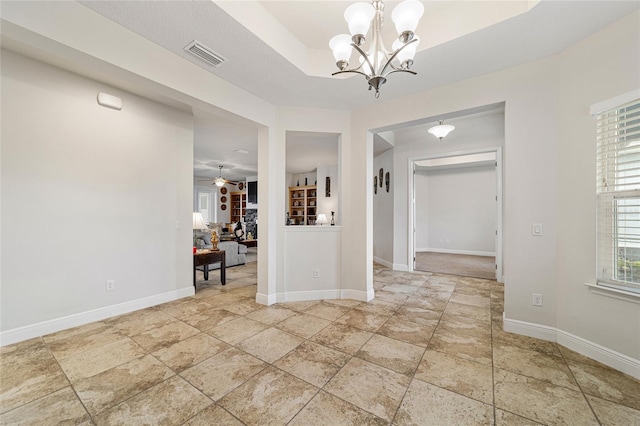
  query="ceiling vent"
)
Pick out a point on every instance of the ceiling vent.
point(203, 52)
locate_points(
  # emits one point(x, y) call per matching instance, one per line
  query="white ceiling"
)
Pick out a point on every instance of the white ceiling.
point(455, 46)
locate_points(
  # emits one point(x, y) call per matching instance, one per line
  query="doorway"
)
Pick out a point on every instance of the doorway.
point(456, 214)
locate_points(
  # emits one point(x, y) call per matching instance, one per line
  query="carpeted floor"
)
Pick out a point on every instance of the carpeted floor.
point(457, 264)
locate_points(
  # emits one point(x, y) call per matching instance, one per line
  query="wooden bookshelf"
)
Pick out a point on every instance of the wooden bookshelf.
point(303, 204)
point(238, 205)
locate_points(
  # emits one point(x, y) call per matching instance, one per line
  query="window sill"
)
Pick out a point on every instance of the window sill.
point(614, 293)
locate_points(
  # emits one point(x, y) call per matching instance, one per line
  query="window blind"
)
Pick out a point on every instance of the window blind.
point(618, 192)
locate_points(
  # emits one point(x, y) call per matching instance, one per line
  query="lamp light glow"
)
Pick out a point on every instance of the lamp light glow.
point(341, 47)
point(406, 16)
point(321, 219)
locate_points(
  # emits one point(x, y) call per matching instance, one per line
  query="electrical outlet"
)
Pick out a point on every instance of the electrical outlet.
point(316, 273)
point(536, 299)
point(110, 285)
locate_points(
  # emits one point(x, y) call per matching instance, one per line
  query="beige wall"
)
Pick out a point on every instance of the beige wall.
point(89, 194)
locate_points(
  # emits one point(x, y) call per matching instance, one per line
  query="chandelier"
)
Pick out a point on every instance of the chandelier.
point(378, 62)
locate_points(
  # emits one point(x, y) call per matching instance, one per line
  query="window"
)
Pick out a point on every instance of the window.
point(618, 193)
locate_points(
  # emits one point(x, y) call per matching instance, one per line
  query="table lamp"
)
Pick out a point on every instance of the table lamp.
point(198, 223)
point(321, 219)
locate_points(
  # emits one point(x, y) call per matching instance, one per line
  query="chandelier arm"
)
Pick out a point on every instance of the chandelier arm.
point(393, 56)
point(366, 58)
point(400, 70)
point(353, 71)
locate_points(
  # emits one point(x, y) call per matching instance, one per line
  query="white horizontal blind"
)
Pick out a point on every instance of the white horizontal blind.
point(618, 189)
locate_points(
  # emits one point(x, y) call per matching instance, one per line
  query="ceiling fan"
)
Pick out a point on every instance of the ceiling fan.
point(220, 181)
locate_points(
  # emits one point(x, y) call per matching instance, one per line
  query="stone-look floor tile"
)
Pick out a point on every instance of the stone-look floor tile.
point(188, 307)
point(504, 418)
point(347, 303)
point(418, 315)
point(610, 413)
point(469, 311)
point(540, 401)
point(113, 386)
point(326, 409)
point(503, 337)
point(237, 330)
point(607, 383)
point(425, 404)
point(458, 375)
point(222, 373)
point(271, 397)
point(171, 402)
point(393, 354)
point(299, 306)
point(139, 321)
point(23, 356)
point(570, 355)
point(373, 388)
point(342, 337)
point(313, 363)
point(327, 311)
point(379, 307)
point(58, 408)
point(303, 325)
point(21, 385)
point(399, 288)
point(362, 320)
point(390, 297)
point(270, 315)
point(189, 352)
point(462, 345)
point(164, 336)
point(432, 303)
point(223, 300)
point(472, 290)
point(408, 331)
point(214, 415)
point(464, 325)
point(95, 361)
point(243, 307)
point(270, 344)
point(81, 339)
point(533, 364)
point(209, 319)
point(247, 291)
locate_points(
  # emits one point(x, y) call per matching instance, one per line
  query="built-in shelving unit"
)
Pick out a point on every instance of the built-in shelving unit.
point(303, 205)
point(238, 205)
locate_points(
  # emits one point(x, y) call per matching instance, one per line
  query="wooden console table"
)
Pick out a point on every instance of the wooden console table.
point(205, 259)
point(249, 243)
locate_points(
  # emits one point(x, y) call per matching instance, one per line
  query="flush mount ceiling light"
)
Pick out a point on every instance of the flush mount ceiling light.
point(441, 130)
point(378, 62)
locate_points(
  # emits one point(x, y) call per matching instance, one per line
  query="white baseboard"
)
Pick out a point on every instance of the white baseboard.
point(363, 296)
point(265, 299)
point(453, 251)
point(51, 326)
point(383, 262)
point(298, 296)
point(400, 267)
point(613, 359)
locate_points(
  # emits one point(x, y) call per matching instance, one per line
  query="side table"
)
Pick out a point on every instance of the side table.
point(205, 259)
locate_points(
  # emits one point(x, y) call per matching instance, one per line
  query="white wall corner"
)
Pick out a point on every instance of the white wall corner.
point(400, 267)
point(363, 296)
point(58, 324)
point(383, 262)
point(266, 299)
point(613, 359)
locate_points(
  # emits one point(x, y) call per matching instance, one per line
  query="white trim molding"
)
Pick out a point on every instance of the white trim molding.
point(383, 262)
point(614, 293)
point(54, 325)
point(453, 251)
point(613, 359)
point(625, 98)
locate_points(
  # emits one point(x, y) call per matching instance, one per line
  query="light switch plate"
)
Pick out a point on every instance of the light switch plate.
point(536, 229)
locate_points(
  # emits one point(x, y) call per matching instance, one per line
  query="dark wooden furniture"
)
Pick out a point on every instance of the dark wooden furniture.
point(249, 243)
point(206, 258)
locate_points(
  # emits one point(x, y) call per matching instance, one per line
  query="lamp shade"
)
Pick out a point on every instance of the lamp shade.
point(321, 219)
point(341, 47)
point(406, 15)
point(198, 221)
point(359, 16)
point(441, 130)
point(407, 53)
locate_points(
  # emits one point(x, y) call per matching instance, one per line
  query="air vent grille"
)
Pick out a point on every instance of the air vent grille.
point(203, 52)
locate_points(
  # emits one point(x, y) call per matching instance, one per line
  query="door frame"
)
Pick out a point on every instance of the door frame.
point(411, 249)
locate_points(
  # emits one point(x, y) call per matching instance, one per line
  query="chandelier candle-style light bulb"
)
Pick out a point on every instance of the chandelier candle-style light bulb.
point(377, 62)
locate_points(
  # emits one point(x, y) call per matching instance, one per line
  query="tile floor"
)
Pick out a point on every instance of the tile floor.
point(429, 350)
